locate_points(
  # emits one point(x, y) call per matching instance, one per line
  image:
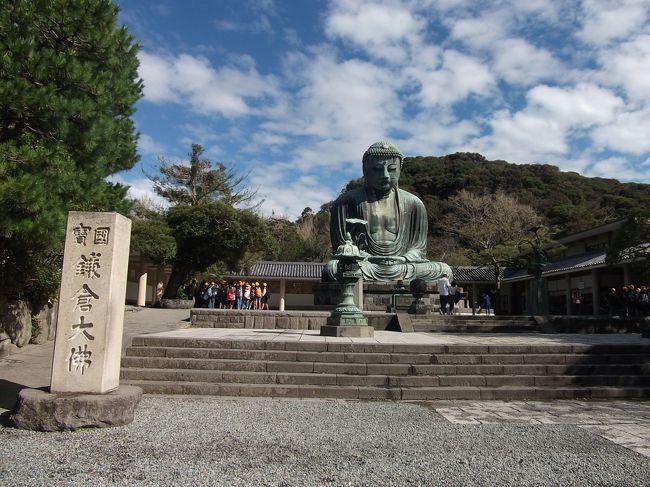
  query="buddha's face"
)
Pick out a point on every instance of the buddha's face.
point(382, 173)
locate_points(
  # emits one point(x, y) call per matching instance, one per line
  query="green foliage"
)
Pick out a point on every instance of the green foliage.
point(68, 85)
point(153, 238)
point(491, 229)
point(632, 242)
point(199, 182)
point(567, 201)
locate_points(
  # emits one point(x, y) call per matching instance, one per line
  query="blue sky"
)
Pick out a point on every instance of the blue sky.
point(294, 91)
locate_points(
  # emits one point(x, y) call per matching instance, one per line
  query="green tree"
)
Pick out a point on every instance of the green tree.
point(493, 229)
point(209, 230)
point(68, 85)
point(631, 243)
point(200, 182)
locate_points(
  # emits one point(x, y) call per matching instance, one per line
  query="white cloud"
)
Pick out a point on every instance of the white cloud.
point(140, 189)
point(459, 76)
point(288, 198)
point(607, 20)
point(384, 30)
point(147, 145)
point(192, 80)
point(628, 133)
point(480, 32)
point(518, 61)
point(628, 65)
point(583, 105)
point(523, 137)
point(619, 168)
point(542, 130)
point(337, 104)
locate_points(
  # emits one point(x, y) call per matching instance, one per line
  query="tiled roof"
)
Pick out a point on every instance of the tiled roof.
point(289, 270)
point(565, 265)
point(312, 270)
point(464, 274)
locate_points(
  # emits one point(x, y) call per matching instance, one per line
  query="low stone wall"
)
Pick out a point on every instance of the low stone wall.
point(176, 303)
point(276, 320)
point(593, 324)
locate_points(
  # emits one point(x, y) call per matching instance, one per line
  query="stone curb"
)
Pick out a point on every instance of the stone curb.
point(43, 411)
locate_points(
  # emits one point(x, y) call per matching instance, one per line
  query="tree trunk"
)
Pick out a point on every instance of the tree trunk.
point(176, 279)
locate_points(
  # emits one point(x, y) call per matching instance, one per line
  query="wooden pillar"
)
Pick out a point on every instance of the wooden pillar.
point(474, 297)
point(567, 280)
point(627, 275)
point(283, 293)
point(142, 290)
point(595, 288)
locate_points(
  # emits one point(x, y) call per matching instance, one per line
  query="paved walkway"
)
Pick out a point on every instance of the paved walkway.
point(626, 423)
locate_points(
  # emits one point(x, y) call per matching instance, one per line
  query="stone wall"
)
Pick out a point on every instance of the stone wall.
point(273, 320)
point(16, 325)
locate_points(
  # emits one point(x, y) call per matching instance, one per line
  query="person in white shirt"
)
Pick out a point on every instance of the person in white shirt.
point(443, 289)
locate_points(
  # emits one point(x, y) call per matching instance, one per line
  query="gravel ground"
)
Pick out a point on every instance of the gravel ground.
point(217, 441)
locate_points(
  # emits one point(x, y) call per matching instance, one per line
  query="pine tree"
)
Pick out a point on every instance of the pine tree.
point(68, 86)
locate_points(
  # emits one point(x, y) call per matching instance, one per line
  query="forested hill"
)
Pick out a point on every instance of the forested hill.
point(569, 201)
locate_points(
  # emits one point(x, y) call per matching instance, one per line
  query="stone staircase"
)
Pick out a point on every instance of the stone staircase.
point(406, 371)
point(474, 324)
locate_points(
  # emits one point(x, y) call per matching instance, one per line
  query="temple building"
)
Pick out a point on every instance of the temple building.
point(580, 265)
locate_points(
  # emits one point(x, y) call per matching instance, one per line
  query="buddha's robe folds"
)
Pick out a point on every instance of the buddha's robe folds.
point(410, 241)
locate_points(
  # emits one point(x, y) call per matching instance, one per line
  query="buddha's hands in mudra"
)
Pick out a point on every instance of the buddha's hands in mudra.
point(387, 260)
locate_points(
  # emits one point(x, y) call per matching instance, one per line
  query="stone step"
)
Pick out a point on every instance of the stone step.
point(384, 358)
point(451, 365)
point(384, 393)
point(373, 347)
point(212, 376)
point(475, 328)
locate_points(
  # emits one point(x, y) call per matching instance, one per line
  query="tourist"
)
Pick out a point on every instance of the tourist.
point(486, 303)
point(266, 294)
point(612, 301)
point(258, 296)
point(452, 298)
point(203, 295)
point(576, 301)
point(239, 293)
point(190, 289)
point(443, 290)
point(230, 296)
point(247, 296)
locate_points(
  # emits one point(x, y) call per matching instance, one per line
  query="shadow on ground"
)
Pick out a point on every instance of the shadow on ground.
point(9, 393)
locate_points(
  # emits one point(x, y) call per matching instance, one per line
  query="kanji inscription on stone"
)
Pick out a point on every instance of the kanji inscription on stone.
point(84, 298)
point(87, 265)
point(79, 359)
point(81, 329)
point(88, 342)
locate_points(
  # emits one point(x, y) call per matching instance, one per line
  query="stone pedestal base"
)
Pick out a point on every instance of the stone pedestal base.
point(347, 331)
point(43, 411)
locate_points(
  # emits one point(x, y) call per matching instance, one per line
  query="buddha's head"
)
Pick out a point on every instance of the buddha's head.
point(382, 164)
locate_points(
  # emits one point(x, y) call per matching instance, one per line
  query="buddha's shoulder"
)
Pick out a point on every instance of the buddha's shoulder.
point(355, 195)
point(410, 198)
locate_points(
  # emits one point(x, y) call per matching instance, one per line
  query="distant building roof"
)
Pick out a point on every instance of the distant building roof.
point(473, 274)
point(313, 270)
point(590, 259)
point(284, 270)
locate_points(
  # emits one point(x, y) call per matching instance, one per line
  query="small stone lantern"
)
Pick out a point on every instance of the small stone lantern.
point(347, 319)
point(418, 289)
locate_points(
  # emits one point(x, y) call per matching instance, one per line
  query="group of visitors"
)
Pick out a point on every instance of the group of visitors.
point(450, 294)
point(229, 295)
point(629, 301)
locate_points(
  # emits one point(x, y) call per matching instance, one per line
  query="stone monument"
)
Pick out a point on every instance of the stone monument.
point(388, 224)
point(85, 388)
